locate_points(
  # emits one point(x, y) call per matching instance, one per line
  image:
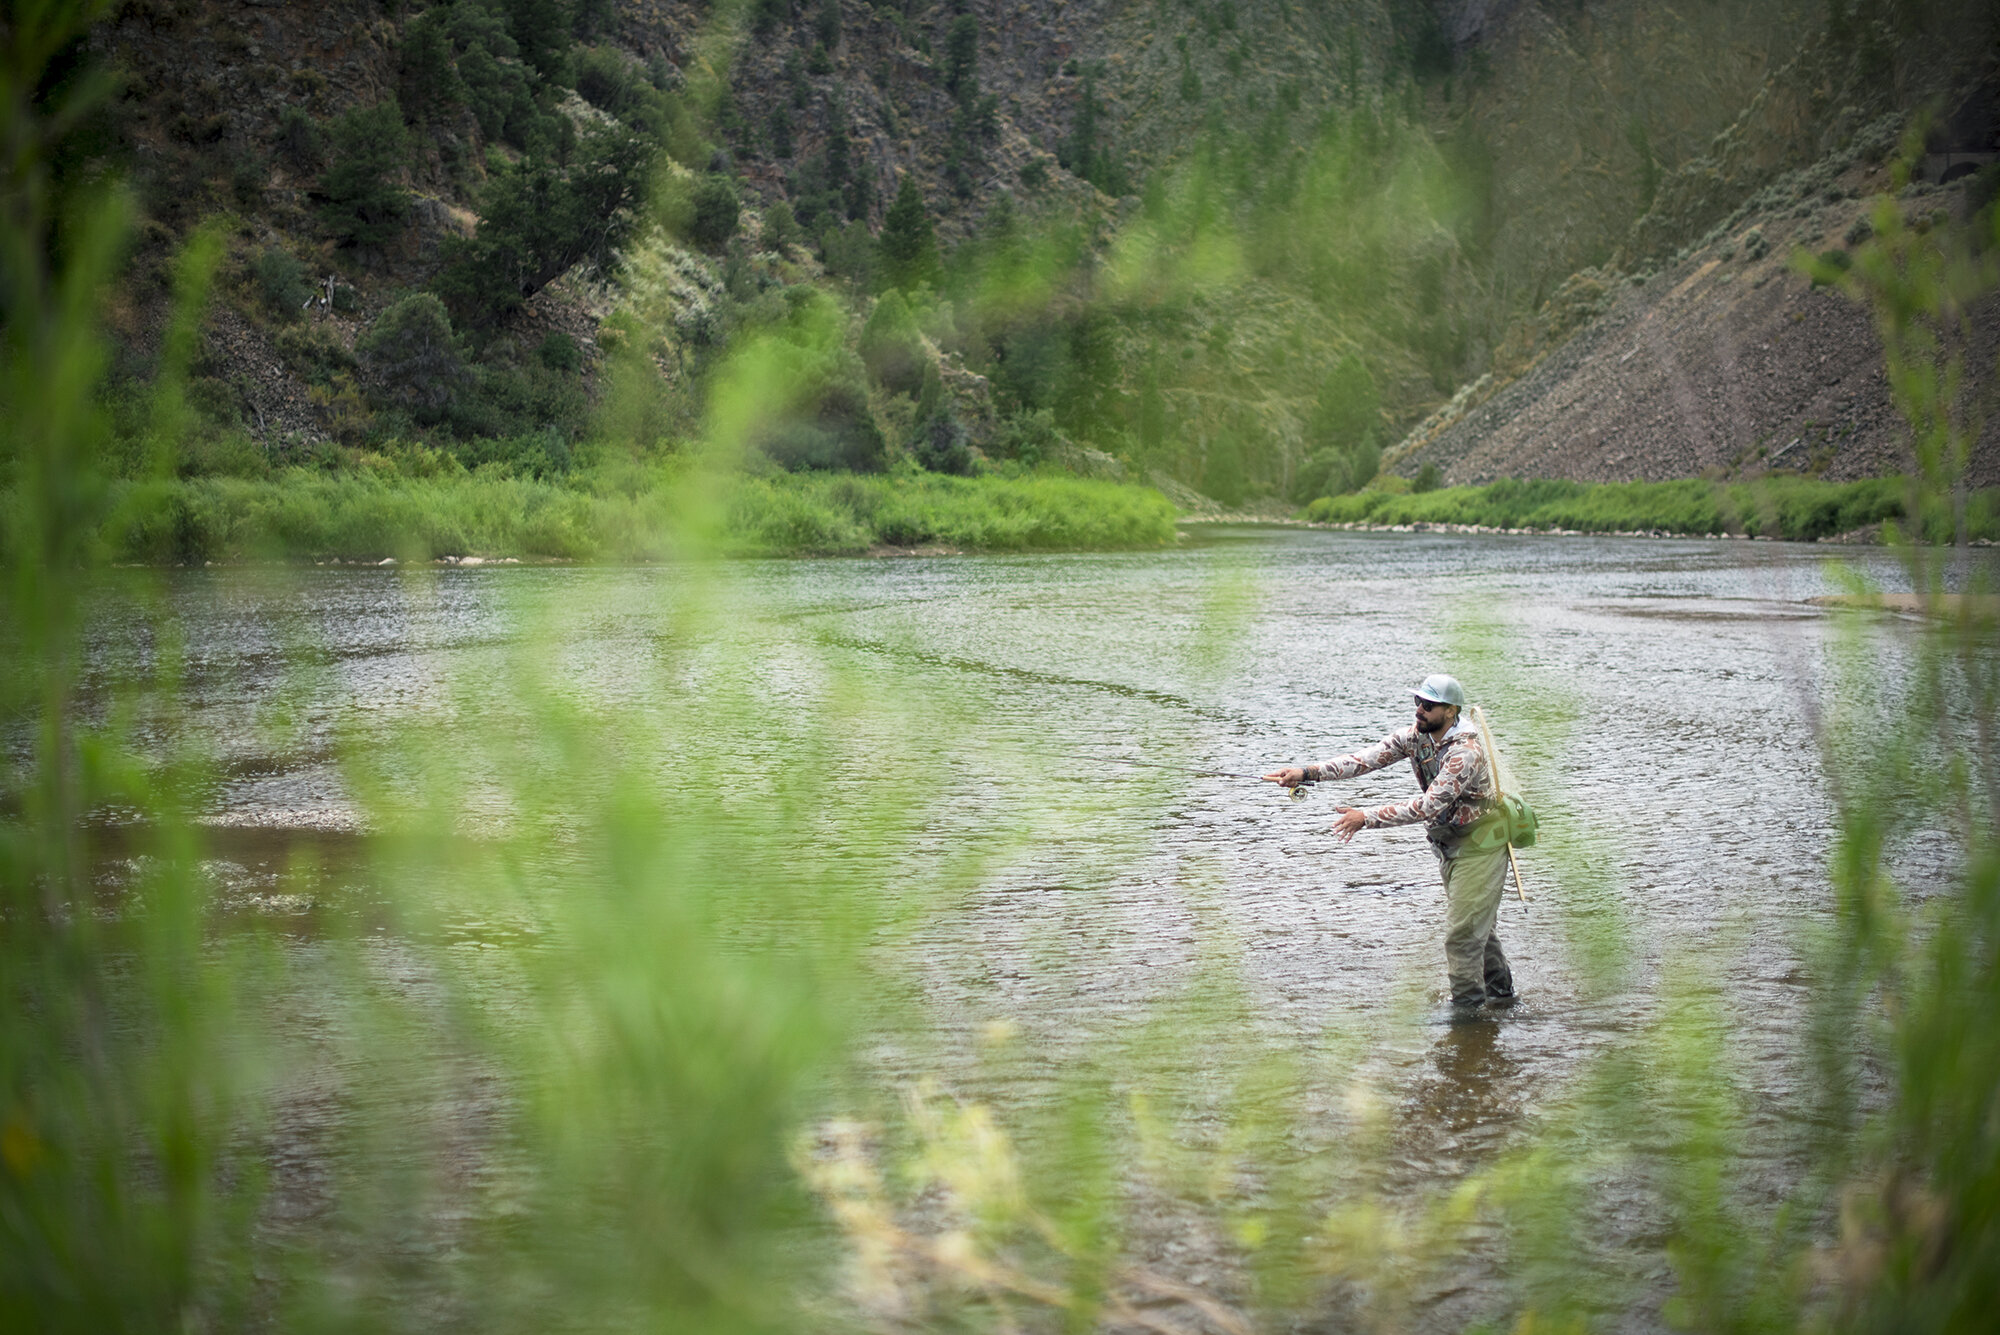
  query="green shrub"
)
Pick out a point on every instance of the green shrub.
point(541, 454)
point(765, 15)
point(559, 352)
point(1797, 509)
point(1827, 266)
point(941, 447)
point(249, 173)
point(717, 212)
point(281, 282)
point(608, 79)
point(507, 399)
point(1428, 478)
point(1029, 437)
point(892, 348)
point(300, 139)
point(312, 352)
point(411, 359)
point(831, 429)
point(1334, 471)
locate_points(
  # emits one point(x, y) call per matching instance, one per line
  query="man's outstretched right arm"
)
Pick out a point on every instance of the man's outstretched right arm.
point(1385, 752)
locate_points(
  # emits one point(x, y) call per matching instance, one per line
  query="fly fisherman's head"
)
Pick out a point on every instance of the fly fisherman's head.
point(1439, 700)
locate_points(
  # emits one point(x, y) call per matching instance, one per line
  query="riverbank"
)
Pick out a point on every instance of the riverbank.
point(305, 515)
point(1792, 508)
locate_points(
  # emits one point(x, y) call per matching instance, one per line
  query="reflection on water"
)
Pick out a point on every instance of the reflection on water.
point(1652, 694)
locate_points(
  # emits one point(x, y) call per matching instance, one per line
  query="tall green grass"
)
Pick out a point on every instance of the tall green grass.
point(1795, 509)
point(303, 515)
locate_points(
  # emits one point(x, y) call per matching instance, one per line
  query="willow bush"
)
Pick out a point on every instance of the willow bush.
point(1797, 509)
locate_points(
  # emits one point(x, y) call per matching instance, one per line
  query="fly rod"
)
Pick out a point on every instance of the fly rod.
point(1493, 772)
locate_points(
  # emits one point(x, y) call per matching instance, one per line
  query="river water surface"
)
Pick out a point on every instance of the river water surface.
point(1658, 700)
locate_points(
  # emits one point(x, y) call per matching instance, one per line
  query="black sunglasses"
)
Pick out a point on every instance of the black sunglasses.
point(1431, 704)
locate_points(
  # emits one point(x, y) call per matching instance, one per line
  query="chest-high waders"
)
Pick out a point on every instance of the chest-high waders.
point(1473, 863)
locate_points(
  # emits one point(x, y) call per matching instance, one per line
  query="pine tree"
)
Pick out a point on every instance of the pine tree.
point(541, 29)
point(365, 201)
point(908, 243)
point(1085, 152)
point(961, 57)
point(839, 151)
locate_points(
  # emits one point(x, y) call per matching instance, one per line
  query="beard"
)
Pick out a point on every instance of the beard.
point(1432, 725)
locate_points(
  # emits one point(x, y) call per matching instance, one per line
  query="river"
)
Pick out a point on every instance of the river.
point(1658, 699)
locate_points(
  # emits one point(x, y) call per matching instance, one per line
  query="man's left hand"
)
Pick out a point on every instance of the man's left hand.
point(1351, 820)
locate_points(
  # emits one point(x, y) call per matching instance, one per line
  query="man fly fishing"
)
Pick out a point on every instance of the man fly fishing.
point(1467, 833)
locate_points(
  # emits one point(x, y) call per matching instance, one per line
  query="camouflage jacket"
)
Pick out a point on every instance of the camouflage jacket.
point(1451, 769)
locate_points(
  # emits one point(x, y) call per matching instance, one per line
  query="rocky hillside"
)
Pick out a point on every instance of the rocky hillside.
point(1728, 361)
point(1268, 238)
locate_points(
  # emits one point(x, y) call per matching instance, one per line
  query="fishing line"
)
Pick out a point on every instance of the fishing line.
point(1297, 792)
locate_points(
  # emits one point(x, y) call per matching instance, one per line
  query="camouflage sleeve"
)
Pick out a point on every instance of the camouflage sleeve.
point(1457, 778)
point(1385, 752)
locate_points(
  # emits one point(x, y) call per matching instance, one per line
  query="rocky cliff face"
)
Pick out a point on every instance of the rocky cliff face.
point(1696, 347)
point(1729, 362)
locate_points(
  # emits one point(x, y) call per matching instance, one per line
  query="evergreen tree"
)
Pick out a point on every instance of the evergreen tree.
point(839, 151)
point(541, 29)
point(429, 80)
point(1088, 399)
point(765, 15)
point(536, 220)
point(1085, 152)
point(1153, 410)
point(496, 85)
point(1222, 471)
point(781, 228)
point(1347, 409)
point(1649, 168)
point(908, 242)
point(827, 23)
point(796, 81)
point(961, 57)
point(860, 193)
point(364, 201)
